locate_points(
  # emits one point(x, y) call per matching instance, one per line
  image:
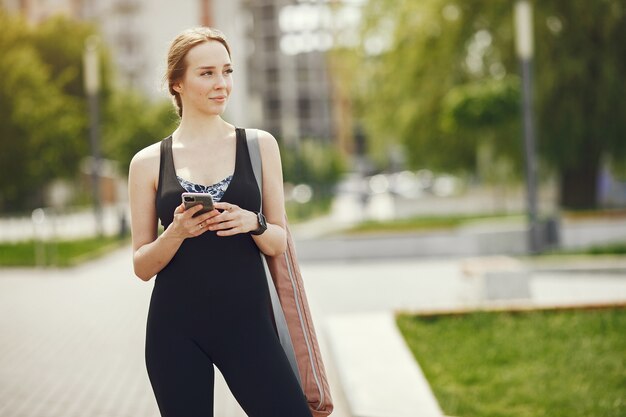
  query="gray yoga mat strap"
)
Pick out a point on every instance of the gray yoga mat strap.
point(279, 316)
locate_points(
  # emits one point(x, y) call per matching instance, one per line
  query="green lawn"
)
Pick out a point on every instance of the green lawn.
point(297, 212)
point(63, 253)
point(530, 364)
point(424, 223)
point(618, 248)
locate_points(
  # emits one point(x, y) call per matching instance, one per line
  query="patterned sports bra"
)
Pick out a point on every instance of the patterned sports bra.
point(216, 190)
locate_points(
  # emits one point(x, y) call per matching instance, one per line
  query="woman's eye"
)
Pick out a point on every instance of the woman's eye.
point(229, 71)
point(207, 73)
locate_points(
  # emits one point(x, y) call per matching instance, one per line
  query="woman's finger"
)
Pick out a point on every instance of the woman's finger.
point(200, 227)
point(193, 210)
point(223, 205)
point(228, 232)
point(179, 209)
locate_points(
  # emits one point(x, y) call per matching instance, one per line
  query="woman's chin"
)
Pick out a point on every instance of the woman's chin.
point(214, 110)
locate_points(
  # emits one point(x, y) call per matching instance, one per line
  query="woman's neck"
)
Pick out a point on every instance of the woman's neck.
point(201, 128)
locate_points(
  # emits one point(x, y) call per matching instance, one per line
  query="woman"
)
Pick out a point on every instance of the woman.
point(210, 303)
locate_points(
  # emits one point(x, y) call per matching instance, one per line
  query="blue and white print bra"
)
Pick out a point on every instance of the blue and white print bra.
point(216, 190)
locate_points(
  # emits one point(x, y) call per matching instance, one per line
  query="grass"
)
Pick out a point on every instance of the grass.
point(595, 214)
point(530, 364)
point(423, 223)
point(62, 253)
point(297, 212)
point(611, 249)
point(607, 249)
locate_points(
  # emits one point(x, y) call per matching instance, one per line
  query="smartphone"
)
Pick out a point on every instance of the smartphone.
point(193, 199)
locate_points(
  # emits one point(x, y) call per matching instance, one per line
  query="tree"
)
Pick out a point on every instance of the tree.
point(131, 122)
point(425, 56)
point(37, 121)
point(43, 112)
point(581, 62)
point(434, 49)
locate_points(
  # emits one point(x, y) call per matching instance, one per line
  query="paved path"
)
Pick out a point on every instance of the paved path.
point(73, 340)
point(320, 240)
point(73, 344)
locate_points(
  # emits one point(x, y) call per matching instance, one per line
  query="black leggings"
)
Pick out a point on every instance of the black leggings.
point(190, 328)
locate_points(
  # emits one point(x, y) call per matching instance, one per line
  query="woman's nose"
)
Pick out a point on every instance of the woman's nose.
point(220, 82)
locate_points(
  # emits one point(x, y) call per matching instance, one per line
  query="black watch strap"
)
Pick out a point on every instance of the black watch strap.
point(262, 224)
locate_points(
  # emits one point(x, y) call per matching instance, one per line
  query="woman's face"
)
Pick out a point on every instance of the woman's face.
point(207, 82)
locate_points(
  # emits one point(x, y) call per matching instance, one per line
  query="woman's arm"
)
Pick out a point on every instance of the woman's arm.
point(151, 252)
point(273, 241)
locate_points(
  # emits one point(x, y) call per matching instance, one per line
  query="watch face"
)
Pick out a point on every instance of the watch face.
point(262, 224)
point(262, 221)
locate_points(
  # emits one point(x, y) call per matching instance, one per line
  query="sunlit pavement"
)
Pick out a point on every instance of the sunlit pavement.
point(73, 344)
point(73, 340)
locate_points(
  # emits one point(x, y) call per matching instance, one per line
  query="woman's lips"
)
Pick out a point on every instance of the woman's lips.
point(219, 99)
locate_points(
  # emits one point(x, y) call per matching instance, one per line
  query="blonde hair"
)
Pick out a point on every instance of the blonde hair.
point(180, 46)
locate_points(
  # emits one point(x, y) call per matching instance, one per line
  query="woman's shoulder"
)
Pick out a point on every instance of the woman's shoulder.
point(266, 140)
point(265, 136)
point(147, 156)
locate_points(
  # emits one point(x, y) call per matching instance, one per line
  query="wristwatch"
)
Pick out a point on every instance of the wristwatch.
point(262, 224)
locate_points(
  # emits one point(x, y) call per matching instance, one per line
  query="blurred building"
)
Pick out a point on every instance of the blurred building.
point(138, 32)
point(38, 10)
point(282, 79)
point(293, 79)
point(290, 76)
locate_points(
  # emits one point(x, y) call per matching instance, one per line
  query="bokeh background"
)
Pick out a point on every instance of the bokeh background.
point(376, 104)
point(438, 158)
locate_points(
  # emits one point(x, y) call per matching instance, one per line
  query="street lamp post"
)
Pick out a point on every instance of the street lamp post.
point(91, 69)
point(524, 49)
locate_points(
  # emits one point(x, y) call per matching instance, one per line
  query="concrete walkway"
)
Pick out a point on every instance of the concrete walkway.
point(73, 340)
point(73, 344)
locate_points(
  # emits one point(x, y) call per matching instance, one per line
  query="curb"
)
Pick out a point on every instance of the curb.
point(378, 372)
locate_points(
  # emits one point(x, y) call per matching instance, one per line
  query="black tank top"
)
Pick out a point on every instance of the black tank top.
point(222, 252)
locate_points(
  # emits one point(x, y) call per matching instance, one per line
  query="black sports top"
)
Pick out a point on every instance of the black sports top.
point(242, 191)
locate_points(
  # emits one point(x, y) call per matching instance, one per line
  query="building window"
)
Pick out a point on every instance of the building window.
point(269, 43)
point(272, 76)
point(272, 108)
point(267, 12)
point(304, 107)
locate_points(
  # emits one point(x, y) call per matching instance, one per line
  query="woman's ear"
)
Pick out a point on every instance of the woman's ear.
point(177, 87)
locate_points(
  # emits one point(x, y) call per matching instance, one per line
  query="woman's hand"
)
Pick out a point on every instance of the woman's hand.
point(232, 220)
point(185, 225)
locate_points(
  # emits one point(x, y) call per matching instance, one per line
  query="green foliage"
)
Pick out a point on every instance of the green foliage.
point(481, 105)
point(426, 57)
point(581, 62)
point(318, 165)
point(40, 126)
point(131, 123)
point(313, 163)
point(43, 109)
point(485, 114)
point(523, 364)
point(60, 43)
point(442, 84)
